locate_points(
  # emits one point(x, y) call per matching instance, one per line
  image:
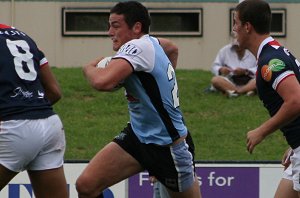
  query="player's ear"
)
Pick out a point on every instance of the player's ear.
point(137, 27)
point(248, 27)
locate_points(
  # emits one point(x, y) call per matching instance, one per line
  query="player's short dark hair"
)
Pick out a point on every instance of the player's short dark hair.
point(257, 13)
point(133, 12)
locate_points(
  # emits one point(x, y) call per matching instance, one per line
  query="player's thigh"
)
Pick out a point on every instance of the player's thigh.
point(285, 189)
point(162, 192)
point(110, 165)
point(5, 176)
point(49, 183)
point(285, 186)
point(192, 192)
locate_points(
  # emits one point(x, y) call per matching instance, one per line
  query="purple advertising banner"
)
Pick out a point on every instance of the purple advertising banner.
point(229, 182)
point(215, 182)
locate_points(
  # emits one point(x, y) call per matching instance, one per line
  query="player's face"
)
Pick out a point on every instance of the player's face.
point(119, 31)
point(239, 31)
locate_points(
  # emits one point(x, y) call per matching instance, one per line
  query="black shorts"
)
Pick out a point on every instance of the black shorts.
point(173, 166)
point(241, 80)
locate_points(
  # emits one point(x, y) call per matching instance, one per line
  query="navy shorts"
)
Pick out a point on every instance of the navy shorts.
point(172, 165)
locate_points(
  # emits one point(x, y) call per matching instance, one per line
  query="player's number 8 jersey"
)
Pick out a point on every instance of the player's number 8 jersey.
point(22, 94)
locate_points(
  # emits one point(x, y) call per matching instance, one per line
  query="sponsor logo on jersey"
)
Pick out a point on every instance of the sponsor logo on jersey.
point(273, 66)
point(19, 92)
point(40, 94)
point(130, 49)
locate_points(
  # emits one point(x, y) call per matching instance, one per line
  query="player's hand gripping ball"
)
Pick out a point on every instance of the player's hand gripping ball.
point(103, 63)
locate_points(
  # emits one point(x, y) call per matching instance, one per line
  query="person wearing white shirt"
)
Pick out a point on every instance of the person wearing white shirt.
point(234, 71)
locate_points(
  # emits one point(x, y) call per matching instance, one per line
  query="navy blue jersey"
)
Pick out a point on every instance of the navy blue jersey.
point(275, 63)
point(21, 94)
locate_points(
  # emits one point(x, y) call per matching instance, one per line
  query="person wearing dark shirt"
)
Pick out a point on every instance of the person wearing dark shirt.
point(277, 80)
point(31, 134)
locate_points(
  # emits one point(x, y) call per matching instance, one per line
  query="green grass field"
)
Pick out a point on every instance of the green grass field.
point(218, 124)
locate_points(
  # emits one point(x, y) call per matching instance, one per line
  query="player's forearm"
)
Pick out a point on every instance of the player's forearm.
point(286, 114)
point(170, 49)
point(89, 71)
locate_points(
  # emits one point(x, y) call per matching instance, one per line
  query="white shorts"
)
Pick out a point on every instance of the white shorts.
point(32, 144)
point(287, 173)
point(295, 162)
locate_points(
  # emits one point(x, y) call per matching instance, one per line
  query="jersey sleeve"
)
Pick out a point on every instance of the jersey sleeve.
point(275, 71)
point(42, 58)
point(139, 53)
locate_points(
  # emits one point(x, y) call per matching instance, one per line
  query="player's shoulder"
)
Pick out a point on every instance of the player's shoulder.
point(143, 41)
point(135, 46)
point(3, 26)
point(275, 52)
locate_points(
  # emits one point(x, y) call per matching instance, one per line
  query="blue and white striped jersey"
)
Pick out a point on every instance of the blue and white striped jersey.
point(152, 92)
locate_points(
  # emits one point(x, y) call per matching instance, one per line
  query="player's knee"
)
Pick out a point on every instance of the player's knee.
point(80, 187)
point(85, 189)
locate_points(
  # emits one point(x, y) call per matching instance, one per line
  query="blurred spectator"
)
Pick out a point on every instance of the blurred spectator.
point(234, 71)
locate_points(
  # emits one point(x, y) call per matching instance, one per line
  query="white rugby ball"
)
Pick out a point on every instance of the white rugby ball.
point(104, 62)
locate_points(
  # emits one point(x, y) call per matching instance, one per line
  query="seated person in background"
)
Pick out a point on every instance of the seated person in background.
point(234, 69)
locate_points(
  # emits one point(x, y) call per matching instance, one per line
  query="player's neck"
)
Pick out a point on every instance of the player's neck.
point(256, 41)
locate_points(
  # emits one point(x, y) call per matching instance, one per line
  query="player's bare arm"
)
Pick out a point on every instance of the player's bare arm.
point(50, 84)
point(106, 79)
point(170, 49)
point(289, 90)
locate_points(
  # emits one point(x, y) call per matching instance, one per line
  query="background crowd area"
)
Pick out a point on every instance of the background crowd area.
point(218, 124)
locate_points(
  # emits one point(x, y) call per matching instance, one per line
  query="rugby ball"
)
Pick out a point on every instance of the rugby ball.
point(104, 62)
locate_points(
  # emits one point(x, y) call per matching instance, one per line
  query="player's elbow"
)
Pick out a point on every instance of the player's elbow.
point(55, 99)
point(54, 94)
point(296, 104)
point(173, 51)
point(293, 104)
point(102, 85)
point(57, 95)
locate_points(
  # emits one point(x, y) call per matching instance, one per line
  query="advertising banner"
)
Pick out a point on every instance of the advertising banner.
point(216, 180)
point(222, 180)
point(215, 183)
point(20, 186)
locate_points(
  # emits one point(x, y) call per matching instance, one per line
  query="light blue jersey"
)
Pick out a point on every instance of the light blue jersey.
point(152, 92)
